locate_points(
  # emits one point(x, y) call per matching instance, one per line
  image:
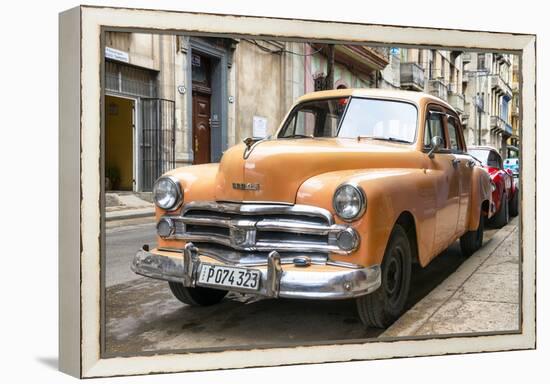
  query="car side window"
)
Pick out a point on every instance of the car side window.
point(454, 134)
point(434, 127)
point(494, 160)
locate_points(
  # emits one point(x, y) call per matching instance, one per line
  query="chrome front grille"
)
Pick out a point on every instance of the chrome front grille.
point(258, 227)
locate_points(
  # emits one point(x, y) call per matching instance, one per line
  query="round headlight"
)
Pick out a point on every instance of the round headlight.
point(167, 193)
point(349, 202)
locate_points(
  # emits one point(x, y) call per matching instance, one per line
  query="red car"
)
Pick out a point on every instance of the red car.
point(505, 191)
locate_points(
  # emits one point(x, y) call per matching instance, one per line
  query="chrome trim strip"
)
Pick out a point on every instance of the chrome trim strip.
point(217, 222)
point(252, 259)
point(257, 202)
point(297, 227)
point(263, 245)
point(243, 233)
point(254, 209)
point(237, 258)
point(265, 224)
point(275, 281)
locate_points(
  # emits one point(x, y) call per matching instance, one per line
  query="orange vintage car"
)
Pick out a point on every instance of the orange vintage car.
point(353, 188)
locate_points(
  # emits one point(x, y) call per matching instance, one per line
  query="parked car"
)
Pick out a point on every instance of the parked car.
point(353, 188)
point(505, 196)
point(513, 165)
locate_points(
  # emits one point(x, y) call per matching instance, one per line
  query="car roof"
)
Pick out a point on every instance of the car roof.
point(483, 147)
point(411, 96)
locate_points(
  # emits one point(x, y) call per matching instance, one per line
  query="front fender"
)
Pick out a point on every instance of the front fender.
point(198, 184)
point(389, 192)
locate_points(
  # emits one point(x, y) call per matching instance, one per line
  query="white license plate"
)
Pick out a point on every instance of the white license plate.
point(230, 277)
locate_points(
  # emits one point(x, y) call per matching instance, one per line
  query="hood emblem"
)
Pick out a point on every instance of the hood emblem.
point(247, 186)
point(250, 143)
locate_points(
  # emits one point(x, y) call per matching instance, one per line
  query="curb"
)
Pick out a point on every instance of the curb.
point(130, 214)
point(413, 320)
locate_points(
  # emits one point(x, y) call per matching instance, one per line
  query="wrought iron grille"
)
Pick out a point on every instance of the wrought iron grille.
point(157, 144)
point(121, 78)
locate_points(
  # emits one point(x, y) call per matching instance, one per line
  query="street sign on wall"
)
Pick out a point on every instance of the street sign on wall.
point(116, 54)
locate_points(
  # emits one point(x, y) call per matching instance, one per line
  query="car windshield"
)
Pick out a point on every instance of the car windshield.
point(479, 154)
point(351, 118)
point(487, 157)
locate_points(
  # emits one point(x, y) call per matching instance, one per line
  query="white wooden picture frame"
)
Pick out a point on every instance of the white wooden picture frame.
point(80, 215)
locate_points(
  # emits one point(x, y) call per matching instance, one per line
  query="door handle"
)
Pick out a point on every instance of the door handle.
point(455, 162)
point(196, 144)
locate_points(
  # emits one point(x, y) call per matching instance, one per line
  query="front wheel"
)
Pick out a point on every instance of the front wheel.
point(197, 296)
point(382, 307)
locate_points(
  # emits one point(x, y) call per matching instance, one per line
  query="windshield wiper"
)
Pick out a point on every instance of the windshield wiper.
point(297, 136)
point(389, 138)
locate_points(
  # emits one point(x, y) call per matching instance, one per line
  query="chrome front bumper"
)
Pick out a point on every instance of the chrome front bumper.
point(311, 282)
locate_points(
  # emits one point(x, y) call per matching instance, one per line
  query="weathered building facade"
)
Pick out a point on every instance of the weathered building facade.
point(513, 142)
point(177, 100)
point(437, 72)
point(487, 88)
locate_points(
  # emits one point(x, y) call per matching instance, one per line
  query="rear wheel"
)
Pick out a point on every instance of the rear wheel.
point(197, 296)
point(503, 215)
point(471, 241)
point(382, 307)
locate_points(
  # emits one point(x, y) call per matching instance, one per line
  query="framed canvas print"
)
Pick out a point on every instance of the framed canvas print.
point(251, 191)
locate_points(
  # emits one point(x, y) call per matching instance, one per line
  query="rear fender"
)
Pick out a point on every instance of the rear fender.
point(479, 193)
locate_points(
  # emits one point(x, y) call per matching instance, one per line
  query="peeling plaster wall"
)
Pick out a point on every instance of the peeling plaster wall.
point(259, 83)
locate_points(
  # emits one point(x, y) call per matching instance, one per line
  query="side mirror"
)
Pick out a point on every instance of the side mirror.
point(437, 143)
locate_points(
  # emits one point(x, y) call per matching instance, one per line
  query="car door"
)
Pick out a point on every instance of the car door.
point(446, 180)
point(463, 164)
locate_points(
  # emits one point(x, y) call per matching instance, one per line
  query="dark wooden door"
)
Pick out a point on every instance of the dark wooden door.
point(201, 128)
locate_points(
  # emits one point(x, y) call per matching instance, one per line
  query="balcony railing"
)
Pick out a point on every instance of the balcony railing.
point(501, 86)
point(412, 76)
point(498, 124)
point(438, 88)
point(457, 101)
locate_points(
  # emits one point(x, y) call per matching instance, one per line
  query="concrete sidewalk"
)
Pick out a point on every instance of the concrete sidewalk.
point(127, 205)
point(482, 295)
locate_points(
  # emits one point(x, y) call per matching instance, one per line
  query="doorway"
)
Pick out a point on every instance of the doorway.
point(119, 143)
point(201, 128)
point(202, 93)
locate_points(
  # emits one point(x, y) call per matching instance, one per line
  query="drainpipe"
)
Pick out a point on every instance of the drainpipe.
point(329, 81)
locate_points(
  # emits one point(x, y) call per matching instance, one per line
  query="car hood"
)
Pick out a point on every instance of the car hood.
point(274, 170)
